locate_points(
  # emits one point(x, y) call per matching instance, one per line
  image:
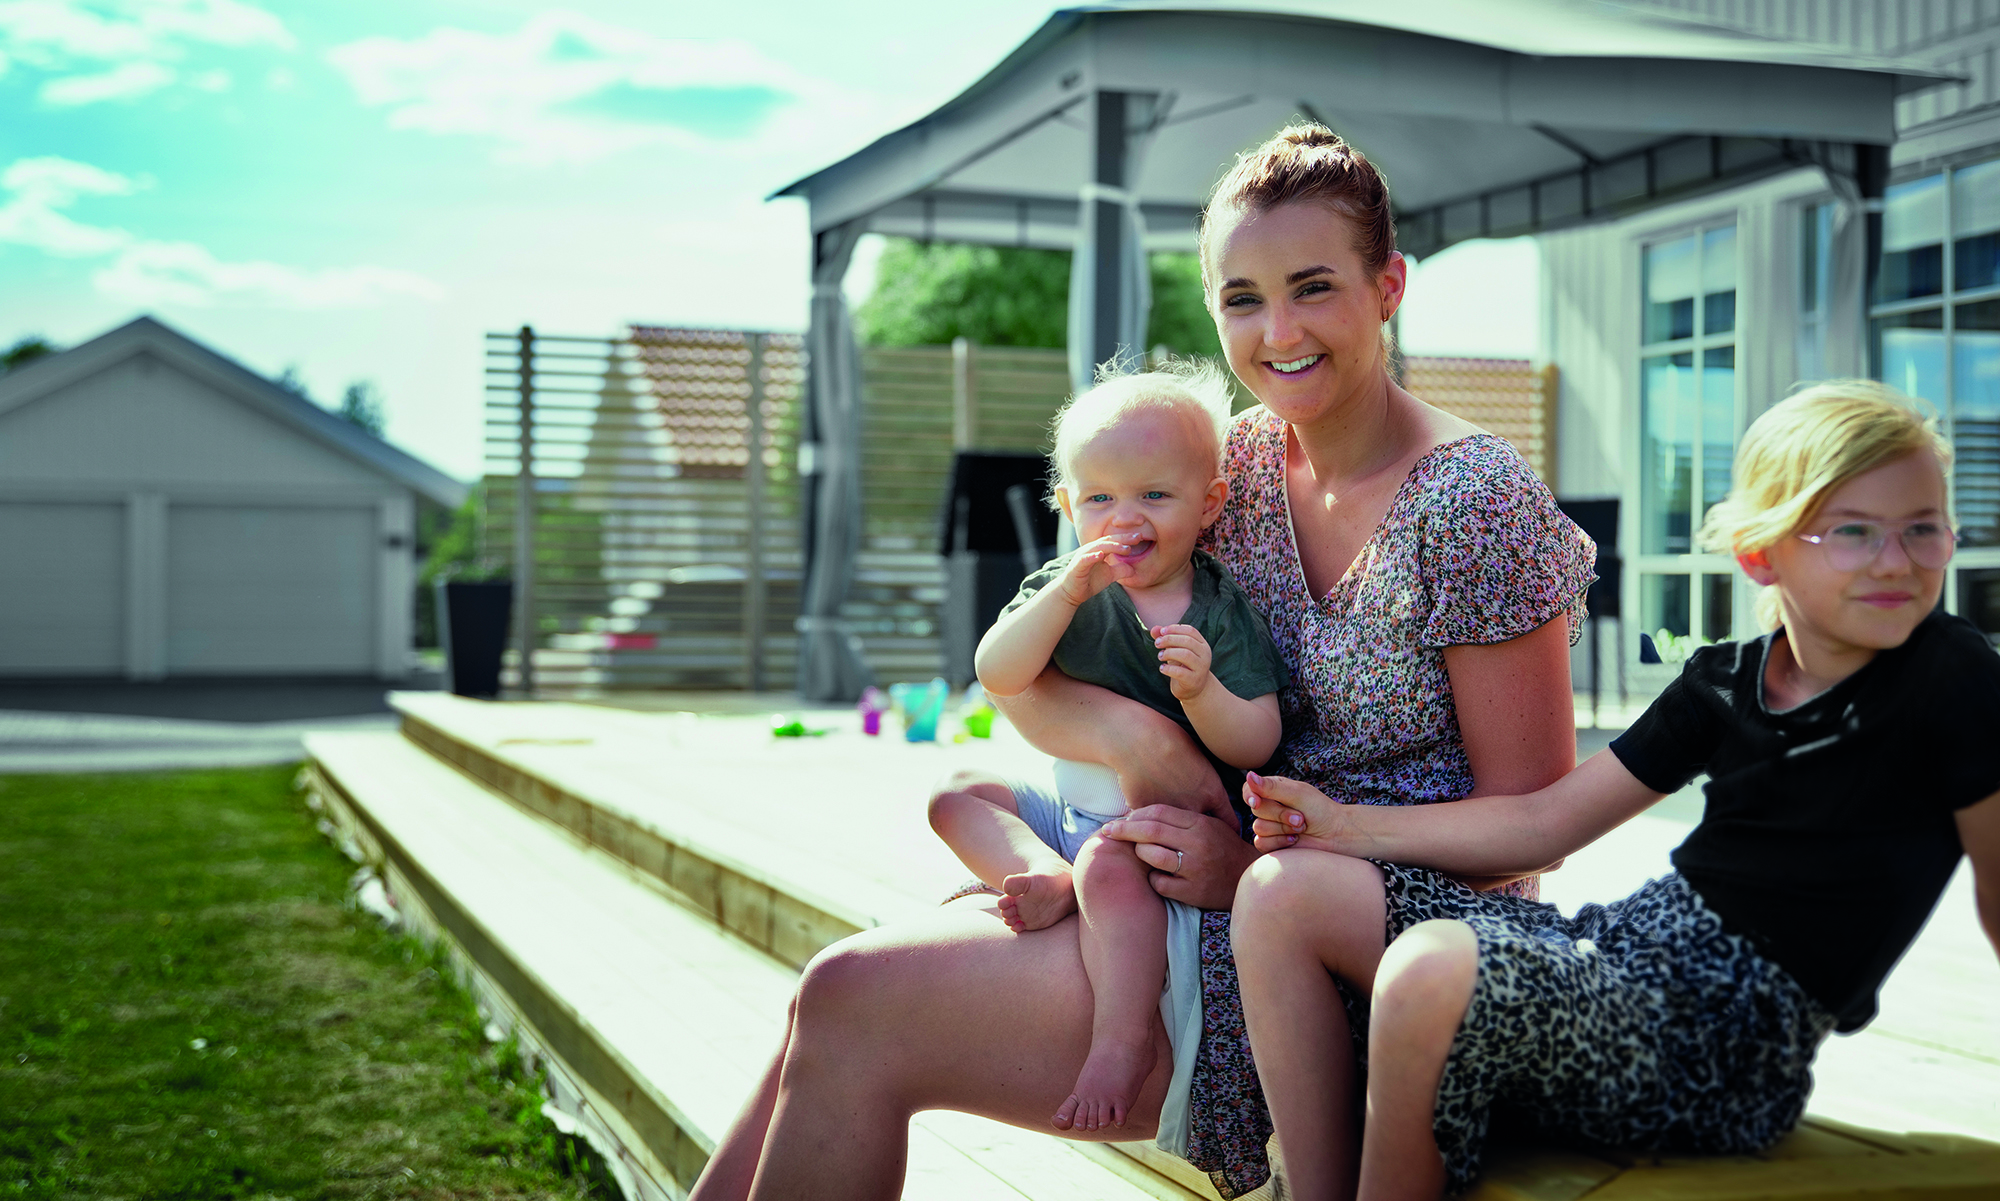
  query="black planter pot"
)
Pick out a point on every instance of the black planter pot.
point(472, 628)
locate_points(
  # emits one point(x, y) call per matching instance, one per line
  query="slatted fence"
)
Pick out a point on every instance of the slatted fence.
point(665, 553)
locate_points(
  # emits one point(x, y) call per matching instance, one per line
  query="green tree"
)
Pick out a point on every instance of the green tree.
point(361, 405)
point(1180, 320)
point(926, 295)
point(994, 295)
point(25, 350)
point(291, 381)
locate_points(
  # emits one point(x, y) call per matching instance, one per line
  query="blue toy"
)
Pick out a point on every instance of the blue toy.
point(921, 707)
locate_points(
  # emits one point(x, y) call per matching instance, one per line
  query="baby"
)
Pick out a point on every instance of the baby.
point(1138, 610)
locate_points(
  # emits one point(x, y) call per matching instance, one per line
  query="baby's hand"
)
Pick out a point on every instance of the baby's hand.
point(1184, 658)
point(1287, 810)
point(1097, 566)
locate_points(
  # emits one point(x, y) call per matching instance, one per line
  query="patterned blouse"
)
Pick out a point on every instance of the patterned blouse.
point(1472, 550)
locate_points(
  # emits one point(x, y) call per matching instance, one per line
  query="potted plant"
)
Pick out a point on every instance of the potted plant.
point(471, 598)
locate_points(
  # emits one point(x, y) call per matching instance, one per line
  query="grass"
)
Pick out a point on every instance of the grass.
point(189, 1008)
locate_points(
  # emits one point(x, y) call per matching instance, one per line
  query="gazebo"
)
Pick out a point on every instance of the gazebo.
point(1103, 132)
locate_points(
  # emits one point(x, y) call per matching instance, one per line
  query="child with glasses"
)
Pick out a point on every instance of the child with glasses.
point(1138, 610)
point(1853, 742)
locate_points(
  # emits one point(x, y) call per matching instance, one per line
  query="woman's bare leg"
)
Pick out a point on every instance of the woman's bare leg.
point(734, 1164)
point(1302, 918)
point(1124, 945)
point(951, 1012)
point(1421, 992)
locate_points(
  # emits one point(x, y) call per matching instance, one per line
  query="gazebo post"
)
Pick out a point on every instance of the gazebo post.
point(1109, 293)
point(830, 471)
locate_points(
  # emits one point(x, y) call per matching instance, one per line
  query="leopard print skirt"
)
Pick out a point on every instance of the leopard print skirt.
point(1642, 1024)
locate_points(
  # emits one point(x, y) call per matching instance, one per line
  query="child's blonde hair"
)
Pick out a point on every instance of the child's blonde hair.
point(1194, 388)
point(1805, 447)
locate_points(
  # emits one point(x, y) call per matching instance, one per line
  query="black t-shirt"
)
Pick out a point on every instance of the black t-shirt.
point(1829, 830)
point(1108, 644)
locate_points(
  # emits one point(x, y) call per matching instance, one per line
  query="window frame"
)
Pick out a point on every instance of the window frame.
point(1946, 300)
point(1695, 565)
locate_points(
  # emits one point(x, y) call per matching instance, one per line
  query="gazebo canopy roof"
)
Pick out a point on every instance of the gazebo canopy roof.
point(1489, 118)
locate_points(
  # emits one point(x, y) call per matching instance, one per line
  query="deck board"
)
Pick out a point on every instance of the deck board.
point(692, 1011)
point(839, 819)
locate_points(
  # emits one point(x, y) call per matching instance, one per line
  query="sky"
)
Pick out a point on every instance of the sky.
point(360, 190)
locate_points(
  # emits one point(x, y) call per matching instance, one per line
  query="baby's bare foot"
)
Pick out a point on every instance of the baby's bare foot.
point(1036, 900)
point(1107, 1086)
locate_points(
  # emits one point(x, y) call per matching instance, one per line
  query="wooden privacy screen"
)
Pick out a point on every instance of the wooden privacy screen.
point(660, 542)
point(1509, 397)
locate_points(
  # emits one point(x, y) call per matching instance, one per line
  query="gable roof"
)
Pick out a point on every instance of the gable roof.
point(33, 380)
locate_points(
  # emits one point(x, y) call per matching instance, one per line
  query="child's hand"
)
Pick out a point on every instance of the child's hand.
point(1287, 811)
point(1097, 566)
point(1184, 658)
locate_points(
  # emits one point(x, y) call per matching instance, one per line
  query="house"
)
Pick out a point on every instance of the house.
point(166, 512)
point(1672, 329)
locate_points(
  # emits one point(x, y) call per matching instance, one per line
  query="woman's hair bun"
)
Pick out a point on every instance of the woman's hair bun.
point(1306, 161)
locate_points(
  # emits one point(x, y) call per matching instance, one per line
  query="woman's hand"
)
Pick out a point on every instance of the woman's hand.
point(1288, 810)
point(1196, 859)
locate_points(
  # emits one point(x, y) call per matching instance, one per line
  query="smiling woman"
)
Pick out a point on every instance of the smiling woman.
point(1421, 588)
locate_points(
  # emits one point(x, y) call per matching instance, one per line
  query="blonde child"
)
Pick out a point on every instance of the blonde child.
point(1854, 742)
point(1136, 609)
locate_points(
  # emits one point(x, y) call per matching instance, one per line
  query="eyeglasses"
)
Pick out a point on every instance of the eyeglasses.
point(1852, 545)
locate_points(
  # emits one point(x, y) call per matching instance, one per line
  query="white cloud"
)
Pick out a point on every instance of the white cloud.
point(125, 81)
point(41, 186)
point(147, 271)
point(98, 50)
point(184, 273)
point(568, 88)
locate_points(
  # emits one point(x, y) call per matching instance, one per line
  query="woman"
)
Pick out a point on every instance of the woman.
point(1425, 592)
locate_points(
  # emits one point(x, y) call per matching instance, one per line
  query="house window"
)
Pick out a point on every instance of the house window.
point(1688, 417)
point(1934, 333)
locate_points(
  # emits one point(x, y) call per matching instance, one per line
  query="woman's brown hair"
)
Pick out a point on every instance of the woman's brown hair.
point(1308, 162)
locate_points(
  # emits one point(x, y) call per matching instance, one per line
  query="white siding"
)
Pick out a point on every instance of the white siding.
point(62, 589)
point(1961, 37)
point(1587, 288)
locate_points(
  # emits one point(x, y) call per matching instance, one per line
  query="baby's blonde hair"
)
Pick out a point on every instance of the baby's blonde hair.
point(1194, 388)
point(1803, 448)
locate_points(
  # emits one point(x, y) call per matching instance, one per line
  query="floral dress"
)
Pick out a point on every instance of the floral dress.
point(1472, 550)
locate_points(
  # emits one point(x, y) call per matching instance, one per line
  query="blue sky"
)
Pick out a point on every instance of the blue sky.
point(361, 189)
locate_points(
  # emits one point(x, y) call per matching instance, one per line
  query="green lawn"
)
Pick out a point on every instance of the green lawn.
point(189, 1009)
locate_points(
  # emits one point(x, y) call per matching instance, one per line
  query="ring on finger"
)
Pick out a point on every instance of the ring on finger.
point(1180, 857)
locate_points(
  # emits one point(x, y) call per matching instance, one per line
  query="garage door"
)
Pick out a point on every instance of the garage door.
point(270, 589)
point(62, 589)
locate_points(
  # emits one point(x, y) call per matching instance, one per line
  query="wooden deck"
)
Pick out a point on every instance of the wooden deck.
point(634, 890)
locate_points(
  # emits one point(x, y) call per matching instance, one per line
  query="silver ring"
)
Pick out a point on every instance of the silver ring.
point(1180, 857)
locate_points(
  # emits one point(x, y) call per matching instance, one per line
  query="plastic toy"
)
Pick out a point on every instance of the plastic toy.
point(976, 713)
point(874, 702)
point(921, 706)
point(784, 725)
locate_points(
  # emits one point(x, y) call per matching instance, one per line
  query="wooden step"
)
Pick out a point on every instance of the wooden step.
point(789, 844)
point(661, 1019)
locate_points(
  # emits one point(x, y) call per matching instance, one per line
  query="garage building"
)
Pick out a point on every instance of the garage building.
point(165, 512)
